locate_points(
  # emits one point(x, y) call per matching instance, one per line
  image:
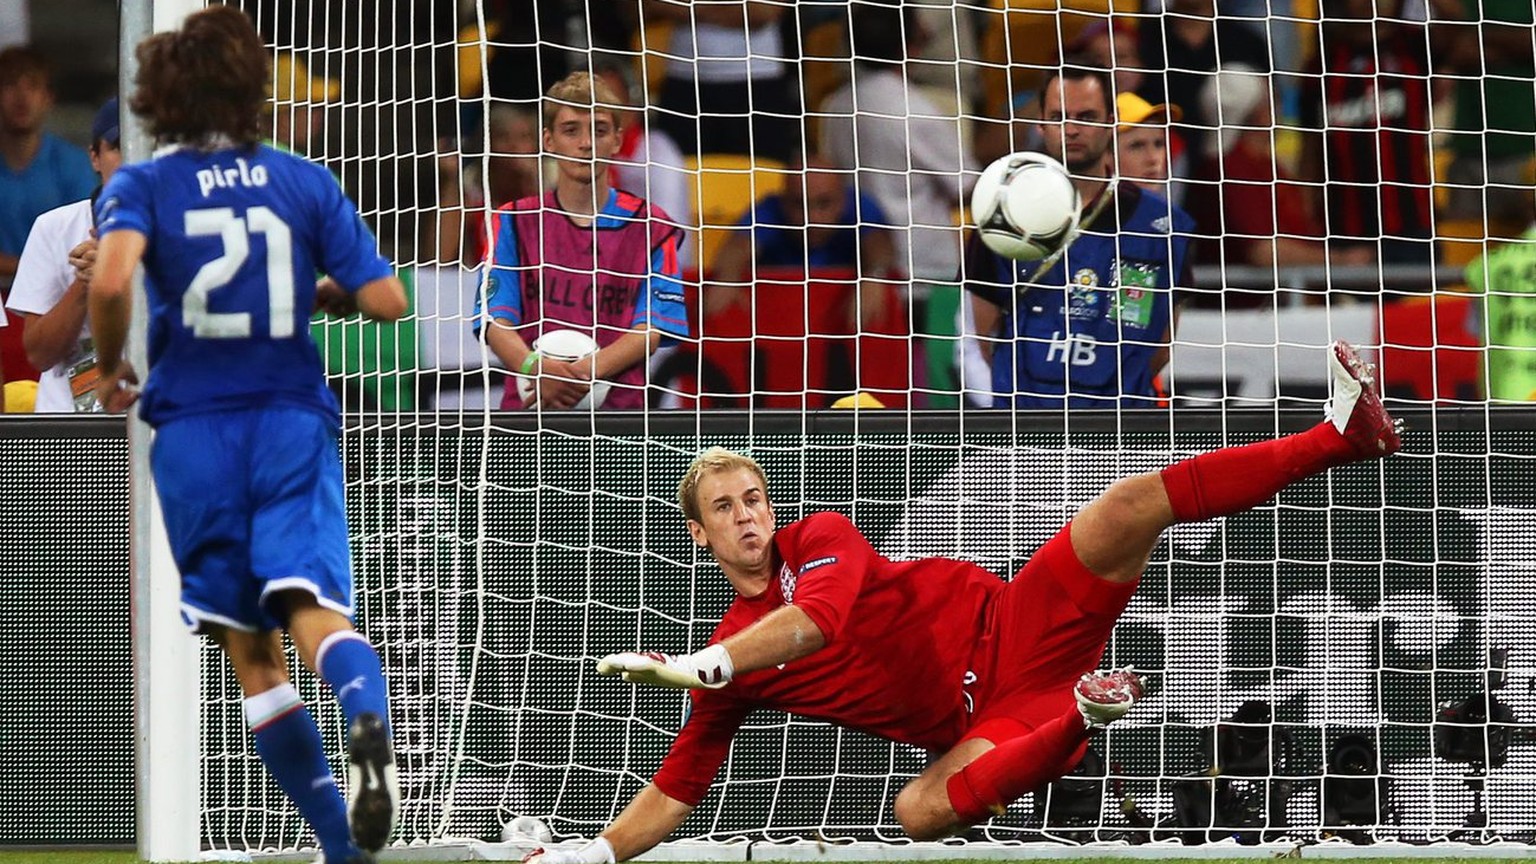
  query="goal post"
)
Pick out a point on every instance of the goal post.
point(167, 659)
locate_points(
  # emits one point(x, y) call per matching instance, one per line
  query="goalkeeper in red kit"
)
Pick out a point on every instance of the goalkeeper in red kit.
point(998, 677)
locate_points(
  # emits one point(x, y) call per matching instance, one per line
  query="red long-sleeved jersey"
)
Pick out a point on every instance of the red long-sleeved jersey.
point(899, 641)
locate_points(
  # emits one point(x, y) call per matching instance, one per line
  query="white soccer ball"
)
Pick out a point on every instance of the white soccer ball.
point(567, 346)
point(1025, 206)
point(526, 829)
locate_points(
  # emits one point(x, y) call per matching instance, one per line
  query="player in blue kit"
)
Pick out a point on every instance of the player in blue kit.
point(1093, 330)
point(245, 458)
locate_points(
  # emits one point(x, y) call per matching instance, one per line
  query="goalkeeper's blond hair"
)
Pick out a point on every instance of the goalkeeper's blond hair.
point(712, 461)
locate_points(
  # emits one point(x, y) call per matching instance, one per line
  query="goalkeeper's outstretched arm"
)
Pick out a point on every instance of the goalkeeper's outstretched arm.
point(785, 634)
point(649, 818)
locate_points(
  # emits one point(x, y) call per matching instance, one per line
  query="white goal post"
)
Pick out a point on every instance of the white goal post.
point(167, 659)
point(1319, 664)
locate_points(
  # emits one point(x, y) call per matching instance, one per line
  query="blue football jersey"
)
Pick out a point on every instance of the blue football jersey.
point(235, 240)
point(1086, 333)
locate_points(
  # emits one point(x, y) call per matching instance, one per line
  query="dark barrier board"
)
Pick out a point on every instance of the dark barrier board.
point(496, 560)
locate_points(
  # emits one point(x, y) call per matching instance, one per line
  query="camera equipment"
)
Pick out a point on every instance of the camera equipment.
point(1075, 801)
point(1475, 730)
point(1241, 792)
point(1354, 792)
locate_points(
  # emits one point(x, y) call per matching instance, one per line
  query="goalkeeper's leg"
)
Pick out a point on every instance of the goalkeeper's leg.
point(1012, 753)
point(1112, 538)
point(1115, 534)
point(288, 741)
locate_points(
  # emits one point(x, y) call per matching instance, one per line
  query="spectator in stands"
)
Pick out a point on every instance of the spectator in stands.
point(512, 168)
point(298, 104)
point(582, 256)
point(40, 172)
point(1369, 97)
point(50, 289)
point(1505, 314)
point(1182, 47)
point(913, 157)
point(1113, 43)
point(511, 171)
point(819, 221)
point(1245, 196)
point(728, 87)
point(526, 50)
point(1494, 146)
point(1092, 329)
point(1021, 45)
point(648, 162)
point(1142, 141)
point(908, 154)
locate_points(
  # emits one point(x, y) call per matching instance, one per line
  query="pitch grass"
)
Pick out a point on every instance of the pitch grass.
point(90, 856)
point(68, 856)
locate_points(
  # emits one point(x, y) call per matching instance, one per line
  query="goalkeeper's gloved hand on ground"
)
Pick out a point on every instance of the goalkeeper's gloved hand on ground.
point(710, 668)
point(596, 852)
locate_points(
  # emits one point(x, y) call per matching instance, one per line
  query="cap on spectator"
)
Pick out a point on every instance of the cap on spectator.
point(1229, 97)
point(1132, 110)
point(20, 396)
point(106, 126)
point(858, 400)
point(291, 82)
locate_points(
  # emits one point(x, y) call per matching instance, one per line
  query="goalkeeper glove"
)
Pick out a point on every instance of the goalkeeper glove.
point(710, 668)
point(596, 852)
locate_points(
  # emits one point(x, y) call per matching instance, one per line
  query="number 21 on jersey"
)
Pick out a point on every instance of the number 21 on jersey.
point(236, 232)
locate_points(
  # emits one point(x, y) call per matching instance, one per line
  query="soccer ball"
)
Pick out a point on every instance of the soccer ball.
point(526, 828)
point(566, 346)
point(1025, 206)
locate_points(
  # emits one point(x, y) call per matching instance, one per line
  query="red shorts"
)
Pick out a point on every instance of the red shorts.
point(1044, 630)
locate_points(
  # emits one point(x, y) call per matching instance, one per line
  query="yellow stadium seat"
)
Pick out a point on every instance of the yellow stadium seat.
point(474, 53)
point(1023, 37)
point(826, 63)
point(1439, 168)
point(726, 187)
point(650, 46)
point(1307, 14)
point(1461, 240)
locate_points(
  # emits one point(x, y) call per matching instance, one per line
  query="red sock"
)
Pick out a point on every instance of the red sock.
point(1005, 773)
point(1234, 479)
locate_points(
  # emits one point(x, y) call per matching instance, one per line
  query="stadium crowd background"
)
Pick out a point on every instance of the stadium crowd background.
point(1355, 164)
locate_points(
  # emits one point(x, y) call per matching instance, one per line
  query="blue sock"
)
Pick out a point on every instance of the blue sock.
point(350, 665)
point(289, 745)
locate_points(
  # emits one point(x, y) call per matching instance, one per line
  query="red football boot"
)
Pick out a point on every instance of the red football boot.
point(1356, 409)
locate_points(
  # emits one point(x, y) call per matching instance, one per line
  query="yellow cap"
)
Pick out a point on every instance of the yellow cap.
point(858, 400)
point(291, 77)
point(20, 397)
point(1132, 109)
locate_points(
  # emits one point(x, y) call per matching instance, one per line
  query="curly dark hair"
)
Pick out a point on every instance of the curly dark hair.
point(204, 81)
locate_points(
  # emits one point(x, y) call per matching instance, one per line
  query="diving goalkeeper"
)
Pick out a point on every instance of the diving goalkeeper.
point(939, 654)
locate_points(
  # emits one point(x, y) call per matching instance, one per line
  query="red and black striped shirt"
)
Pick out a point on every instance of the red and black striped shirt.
point(1372, 105)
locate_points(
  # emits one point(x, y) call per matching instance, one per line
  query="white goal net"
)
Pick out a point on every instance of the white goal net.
point(1349, 661)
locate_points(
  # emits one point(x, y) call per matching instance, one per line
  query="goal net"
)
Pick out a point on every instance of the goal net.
point(1348, 661)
